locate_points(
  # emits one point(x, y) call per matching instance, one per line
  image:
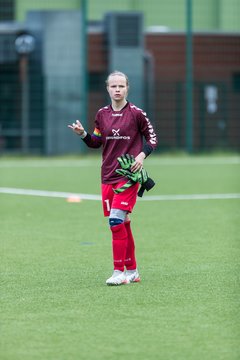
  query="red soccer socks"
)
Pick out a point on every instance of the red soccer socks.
point(130, 260)
point(119, 244)
point(123, 247)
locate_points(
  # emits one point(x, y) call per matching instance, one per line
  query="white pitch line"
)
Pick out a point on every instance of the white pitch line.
point(192, 197)
point(58, 194)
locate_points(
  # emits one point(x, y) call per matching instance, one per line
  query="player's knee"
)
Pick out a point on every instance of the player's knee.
point(115, 221)
point(117, 217)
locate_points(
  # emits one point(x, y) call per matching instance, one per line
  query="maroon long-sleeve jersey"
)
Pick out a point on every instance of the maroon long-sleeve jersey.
point(120, 132)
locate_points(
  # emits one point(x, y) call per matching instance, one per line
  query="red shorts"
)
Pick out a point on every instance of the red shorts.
point(123, 201)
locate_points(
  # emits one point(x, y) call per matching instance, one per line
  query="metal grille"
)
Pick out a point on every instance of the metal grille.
point(7, 10)
point(128, 29)
point(150, 49)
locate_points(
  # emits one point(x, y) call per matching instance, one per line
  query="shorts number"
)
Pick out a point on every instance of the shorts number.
point(107, 204)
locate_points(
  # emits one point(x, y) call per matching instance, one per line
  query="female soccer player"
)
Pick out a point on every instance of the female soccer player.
point(120, 129)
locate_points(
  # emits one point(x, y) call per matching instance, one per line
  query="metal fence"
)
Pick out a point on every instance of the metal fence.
point(53, 67)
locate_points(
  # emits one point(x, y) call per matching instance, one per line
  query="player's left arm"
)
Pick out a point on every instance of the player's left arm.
point(138, 164)
point(147, 130)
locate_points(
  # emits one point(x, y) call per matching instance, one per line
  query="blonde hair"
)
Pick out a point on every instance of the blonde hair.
point(119, 73)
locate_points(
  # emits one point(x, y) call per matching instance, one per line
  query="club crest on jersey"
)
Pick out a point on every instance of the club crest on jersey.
point(115, 132)
point(117, 136)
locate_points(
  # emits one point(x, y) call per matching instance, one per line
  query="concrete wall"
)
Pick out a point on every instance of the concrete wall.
point(209, 15)
point(58, 34)
point(23, 6)
point(229, 18)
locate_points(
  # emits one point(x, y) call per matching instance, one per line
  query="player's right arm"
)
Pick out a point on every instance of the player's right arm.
point(77, 128)
point(92, 141)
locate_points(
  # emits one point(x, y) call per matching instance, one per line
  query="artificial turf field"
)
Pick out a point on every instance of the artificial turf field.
point(56, 256)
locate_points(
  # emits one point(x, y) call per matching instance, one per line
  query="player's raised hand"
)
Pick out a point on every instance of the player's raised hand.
point(77, 127)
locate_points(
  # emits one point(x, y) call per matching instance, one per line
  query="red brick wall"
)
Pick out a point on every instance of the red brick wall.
point(216, 59)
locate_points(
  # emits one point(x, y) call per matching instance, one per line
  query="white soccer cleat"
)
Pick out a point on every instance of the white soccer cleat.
point(132, 276)
point(117, 278)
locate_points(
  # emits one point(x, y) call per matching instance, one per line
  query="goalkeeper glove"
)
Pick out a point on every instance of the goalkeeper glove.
point(140, 176)
point(126, 161)
point(147, 185)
